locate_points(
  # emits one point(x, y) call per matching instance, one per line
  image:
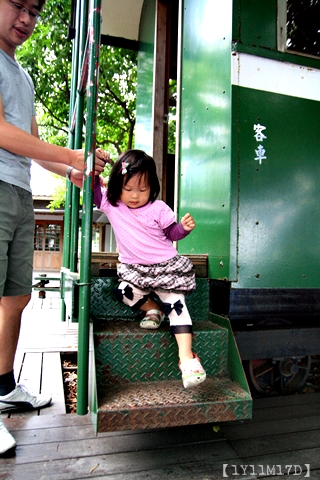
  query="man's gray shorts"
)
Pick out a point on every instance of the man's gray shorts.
point(16, 240)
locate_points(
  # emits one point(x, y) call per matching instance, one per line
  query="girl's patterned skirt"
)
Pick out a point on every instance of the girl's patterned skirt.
point(176, 274)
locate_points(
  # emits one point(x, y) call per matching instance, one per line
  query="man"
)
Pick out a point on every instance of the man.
point(19, 142)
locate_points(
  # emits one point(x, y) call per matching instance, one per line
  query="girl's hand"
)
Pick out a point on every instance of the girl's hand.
point(188, 222)
point(103, 182)
point(102, 157)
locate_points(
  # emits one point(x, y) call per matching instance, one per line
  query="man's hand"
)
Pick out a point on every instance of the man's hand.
point(188, 222)
point(77, 159)
point(102, 157)
point(76, 178)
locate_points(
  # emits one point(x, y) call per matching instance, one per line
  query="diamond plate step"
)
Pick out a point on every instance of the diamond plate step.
point(135, 382)
point(126, 353)
point(133, 406)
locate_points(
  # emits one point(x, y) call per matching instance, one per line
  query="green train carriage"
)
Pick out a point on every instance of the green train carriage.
point(246, 165)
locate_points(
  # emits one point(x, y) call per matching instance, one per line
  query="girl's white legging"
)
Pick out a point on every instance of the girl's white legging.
point(173, 304)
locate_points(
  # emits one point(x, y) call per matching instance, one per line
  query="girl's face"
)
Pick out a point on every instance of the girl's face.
point(136, 192)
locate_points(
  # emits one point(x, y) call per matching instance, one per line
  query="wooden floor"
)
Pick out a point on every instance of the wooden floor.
point(53, 445)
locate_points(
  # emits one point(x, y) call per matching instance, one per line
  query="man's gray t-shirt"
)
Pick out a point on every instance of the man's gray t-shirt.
point(17, 92)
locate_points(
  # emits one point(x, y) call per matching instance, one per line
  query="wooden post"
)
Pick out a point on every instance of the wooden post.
point(161, 88)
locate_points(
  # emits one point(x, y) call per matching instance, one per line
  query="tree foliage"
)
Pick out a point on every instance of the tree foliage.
point(47, 57)
point(117, 97)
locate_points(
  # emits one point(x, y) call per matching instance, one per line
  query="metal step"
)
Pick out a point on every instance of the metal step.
point(126, 353)
point(136, 382)
point(130, 406)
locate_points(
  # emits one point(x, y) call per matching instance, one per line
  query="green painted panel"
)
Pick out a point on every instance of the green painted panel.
point(144, 103)
point(279, 209)
point(255, 23)
point(235, 367)
point(205, 123)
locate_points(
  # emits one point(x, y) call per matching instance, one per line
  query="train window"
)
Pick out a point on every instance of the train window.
point(300, 20)
point(38, 237)
point(52, 239)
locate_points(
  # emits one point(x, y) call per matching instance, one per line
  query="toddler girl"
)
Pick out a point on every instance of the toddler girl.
point(153, 277)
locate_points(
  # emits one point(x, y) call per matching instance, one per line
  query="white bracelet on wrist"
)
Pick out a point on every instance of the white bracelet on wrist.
point(68, 173)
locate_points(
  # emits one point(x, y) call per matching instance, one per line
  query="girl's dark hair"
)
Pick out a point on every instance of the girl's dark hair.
point(139, 164)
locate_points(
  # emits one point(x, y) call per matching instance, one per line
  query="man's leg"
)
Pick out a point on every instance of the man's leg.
point(14, 396)
point(11, 309)
point(10, 319)
point(16, 265)
point(16, 257)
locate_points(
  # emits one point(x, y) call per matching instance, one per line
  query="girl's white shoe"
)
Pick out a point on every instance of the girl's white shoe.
point(152, 320)
point(193, 372)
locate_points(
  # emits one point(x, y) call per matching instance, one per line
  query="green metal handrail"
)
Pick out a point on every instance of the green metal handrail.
point(75, 134)
point(79, 114)
point(86, 230)
point(71, 144)
point(84, 79)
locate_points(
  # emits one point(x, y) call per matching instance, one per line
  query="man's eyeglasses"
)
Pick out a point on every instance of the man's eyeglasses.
point(21, 10)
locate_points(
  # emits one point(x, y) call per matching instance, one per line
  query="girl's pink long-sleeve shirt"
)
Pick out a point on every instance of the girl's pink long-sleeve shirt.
point(142, 234)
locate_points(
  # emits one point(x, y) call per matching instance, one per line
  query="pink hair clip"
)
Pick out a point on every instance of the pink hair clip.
point(124, 168)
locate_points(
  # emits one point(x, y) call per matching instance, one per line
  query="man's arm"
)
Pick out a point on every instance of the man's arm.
point(76, 176)
point(18, 141)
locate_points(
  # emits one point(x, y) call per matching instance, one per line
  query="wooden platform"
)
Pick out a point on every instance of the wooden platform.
point(57, 446)
point(284, 431)
point(42, 340)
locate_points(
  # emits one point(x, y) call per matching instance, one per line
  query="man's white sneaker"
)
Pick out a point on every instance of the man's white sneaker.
point(6, 439)
point(21, 399)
